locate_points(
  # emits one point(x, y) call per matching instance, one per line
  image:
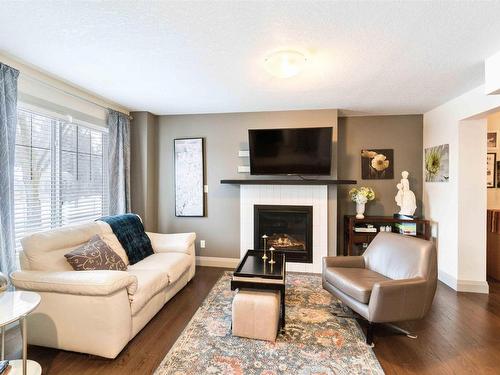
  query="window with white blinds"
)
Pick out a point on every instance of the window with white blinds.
point(60, 174)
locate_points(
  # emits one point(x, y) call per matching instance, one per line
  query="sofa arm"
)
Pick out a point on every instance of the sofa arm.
point(398, 300)
point(88, 283)
point(344, 261)
point(172, 243)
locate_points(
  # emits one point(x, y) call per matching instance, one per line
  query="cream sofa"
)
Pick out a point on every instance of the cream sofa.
point(98, 312)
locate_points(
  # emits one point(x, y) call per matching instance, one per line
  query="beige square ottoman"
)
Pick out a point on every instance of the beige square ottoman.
point(256, 314)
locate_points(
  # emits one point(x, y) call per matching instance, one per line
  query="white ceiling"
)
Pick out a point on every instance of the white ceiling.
point(201, 57)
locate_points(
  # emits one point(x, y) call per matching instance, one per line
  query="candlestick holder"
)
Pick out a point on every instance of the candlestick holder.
point(271, 249)
point(264, 257)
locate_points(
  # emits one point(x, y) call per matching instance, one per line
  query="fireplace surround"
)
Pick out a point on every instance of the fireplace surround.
point(316, 196)
point(289, 229)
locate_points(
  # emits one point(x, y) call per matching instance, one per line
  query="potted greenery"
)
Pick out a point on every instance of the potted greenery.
point(361, 196)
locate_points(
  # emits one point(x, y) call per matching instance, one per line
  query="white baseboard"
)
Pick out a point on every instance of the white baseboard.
point(471, 286)
point(447, 279)
point(217, 262)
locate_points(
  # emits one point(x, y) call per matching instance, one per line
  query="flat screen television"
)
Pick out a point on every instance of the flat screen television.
point(294, 151)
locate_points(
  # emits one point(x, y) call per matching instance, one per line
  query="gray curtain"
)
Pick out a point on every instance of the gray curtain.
point(8, 122)
point(119, 163)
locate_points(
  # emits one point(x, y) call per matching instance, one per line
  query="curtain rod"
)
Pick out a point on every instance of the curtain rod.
point(67, 92)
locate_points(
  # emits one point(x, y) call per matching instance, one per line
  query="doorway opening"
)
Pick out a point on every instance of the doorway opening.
point(493, 198)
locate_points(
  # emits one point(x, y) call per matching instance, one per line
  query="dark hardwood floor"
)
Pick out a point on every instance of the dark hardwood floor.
point(461, 335)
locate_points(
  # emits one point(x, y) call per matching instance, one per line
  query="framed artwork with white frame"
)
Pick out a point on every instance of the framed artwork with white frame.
point(189, 165)
point(491, 163)
point(493, 140)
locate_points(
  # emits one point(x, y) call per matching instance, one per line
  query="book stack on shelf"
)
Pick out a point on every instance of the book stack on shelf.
point(368, 228)
point(409, 229)
point(359, 233)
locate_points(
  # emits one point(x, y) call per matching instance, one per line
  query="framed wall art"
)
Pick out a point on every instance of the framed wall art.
point(491, 163)
point(189, 165)
point(377, 164)
point(498, 174)
point(492, 140)
point(437, 163)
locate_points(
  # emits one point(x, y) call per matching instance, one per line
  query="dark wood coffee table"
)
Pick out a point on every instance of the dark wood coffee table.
point(253, 273)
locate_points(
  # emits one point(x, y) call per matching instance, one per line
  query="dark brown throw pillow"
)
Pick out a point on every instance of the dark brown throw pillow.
point(95, 255)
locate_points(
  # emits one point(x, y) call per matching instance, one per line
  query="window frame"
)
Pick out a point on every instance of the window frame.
point(56, 149)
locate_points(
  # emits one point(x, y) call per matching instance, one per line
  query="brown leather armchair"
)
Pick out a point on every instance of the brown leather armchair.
point(394, 280)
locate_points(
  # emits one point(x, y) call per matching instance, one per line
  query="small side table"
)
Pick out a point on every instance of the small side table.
point(16, 306)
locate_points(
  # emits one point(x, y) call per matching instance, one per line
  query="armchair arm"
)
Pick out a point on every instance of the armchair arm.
point(176, 243)
point(398, 300)
point(344, 261)
point(88, 283)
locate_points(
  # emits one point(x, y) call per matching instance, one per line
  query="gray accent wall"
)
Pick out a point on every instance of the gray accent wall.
point(144, 168)
point(225, 135)
point(403, 134)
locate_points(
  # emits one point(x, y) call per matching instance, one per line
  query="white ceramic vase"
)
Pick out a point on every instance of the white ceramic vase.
point(360, 210)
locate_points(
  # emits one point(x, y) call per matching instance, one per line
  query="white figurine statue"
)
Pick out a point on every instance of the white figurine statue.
point(405, 198)
point(399, 196)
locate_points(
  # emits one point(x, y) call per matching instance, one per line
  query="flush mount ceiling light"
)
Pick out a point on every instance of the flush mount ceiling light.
point(285, 64)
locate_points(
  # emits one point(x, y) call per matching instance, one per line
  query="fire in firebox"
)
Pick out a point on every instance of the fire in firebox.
point(283, 241)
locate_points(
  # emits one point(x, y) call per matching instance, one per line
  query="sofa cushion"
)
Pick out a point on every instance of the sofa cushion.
point(174, 242)
point(355, 282)
point(95, 255)
point(173, 264)
point(149, 283)
point(45, 251)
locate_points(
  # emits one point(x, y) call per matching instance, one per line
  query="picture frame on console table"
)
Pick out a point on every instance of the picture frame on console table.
point(189, 175)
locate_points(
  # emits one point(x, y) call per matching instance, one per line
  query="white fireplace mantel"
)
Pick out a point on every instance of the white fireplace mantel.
point(292, 195)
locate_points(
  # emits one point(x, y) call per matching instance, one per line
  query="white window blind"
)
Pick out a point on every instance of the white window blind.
point(60, 174)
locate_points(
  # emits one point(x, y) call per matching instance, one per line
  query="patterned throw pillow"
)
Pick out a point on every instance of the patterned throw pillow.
point(95, 255)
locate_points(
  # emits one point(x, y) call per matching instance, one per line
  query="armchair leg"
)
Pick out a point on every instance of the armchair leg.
point(345, 316)
point(369, 334)
point(370, 326)
point(402, 331)
point(350, 314)
point(356, 316)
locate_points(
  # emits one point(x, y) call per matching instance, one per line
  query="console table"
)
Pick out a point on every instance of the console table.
point(353, 241)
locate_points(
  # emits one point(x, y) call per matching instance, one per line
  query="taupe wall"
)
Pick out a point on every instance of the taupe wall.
point(143, 168)
point(404, 134)
point(225, 135)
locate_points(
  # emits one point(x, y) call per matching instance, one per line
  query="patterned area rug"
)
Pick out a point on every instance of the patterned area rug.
point(314, 341)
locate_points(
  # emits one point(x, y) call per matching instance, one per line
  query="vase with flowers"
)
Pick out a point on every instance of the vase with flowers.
point(361, 196)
